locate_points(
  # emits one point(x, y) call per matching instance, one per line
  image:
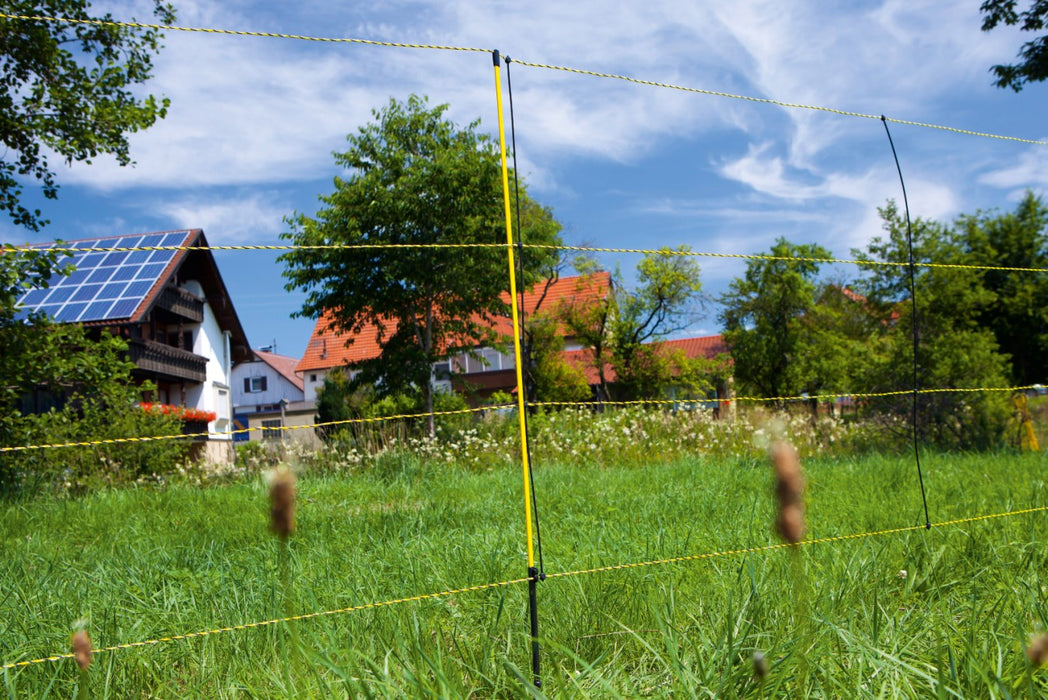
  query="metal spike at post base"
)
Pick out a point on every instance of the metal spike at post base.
point(533, 580)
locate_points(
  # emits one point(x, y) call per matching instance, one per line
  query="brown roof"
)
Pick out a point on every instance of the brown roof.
point(327, 348)
point(284, 365)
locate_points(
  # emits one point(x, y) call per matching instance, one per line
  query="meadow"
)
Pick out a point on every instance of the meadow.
point(944, 612)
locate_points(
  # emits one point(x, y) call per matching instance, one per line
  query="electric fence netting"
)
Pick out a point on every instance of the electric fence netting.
point(939, 515)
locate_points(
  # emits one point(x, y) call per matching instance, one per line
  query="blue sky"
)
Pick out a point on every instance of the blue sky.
point(253, 123)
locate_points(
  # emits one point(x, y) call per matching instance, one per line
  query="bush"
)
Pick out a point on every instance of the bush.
point(107, 415)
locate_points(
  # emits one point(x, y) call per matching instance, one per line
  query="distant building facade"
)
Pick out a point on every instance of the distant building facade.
point(268, 396)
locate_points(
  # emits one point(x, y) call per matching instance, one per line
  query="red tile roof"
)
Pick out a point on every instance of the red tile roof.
point(327, 348)
point(707, 346)
point(583, 359)
point(284, 365)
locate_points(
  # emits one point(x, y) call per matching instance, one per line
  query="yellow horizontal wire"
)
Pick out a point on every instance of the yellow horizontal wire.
point(234, 32)
point(243, 431)
point(277, 621)
point(785, 545)
point(563, 574)
point(545, 66)
point(783, 399)
point(778, 103)
point(481, 409)
point(539, 246)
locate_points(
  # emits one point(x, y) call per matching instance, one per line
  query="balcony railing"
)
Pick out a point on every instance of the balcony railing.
point(182, 303)
point(166, 362)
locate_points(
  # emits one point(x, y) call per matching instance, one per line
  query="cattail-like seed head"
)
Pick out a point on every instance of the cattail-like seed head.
point(789, 489)
point(760, 665)
point(790, 523)
point(282, 503)
point(81, 643)
point(1038, 650)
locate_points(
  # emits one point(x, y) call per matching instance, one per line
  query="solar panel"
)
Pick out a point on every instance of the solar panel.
point(106, 285)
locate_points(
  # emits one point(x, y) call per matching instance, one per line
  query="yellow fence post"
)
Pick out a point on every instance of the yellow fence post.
point(532, 571)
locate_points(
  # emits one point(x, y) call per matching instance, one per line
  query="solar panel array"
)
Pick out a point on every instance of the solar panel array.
point(106, 285)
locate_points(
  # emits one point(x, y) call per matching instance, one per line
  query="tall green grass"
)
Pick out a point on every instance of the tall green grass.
point(149, 563)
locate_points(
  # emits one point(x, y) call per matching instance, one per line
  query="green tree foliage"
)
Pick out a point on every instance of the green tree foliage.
point(954, 350)
point(90, 382)
point(553, 378)
point(589, 322)
point(778, 341)
point(621, 329)
point(664, 301)
point(1018, 312)
point(336, 400)
point(68, 88)
point(1033, 66)
point(414, 178)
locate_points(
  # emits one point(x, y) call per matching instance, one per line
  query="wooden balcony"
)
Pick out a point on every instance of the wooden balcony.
point(181, 303)
point(158, 361)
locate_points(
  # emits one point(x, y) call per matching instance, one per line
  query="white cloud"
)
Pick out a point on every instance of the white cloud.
point(248, 111)
point(1029, 170)
point(253, 218)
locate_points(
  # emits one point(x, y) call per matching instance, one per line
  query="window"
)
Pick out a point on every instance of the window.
point(271, 429)
point(312, 377)
point(254, 385)
point(222, 405)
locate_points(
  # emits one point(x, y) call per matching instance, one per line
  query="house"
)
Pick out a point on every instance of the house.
point(267, 395)
point(484, 371)
point(173, 310)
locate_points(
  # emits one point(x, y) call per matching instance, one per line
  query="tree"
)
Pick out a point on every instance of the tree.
point(551, 377)
point(1033, 66)
point(954, 350)
point(1018, 313)
point(68, 88)
point(619, 329)
point(667, 292)
point(768, 322)
point(415, 179)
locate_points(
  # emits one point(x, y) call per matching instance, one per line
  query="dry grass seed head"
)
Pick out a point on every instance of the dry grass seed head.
point(789, 489)
point(81, 643)
point(1038, 650)
point(282, 503)
point(760, 665)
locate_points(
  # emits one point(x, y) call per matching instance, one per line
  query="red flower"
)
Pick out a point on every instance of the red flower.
point(186, 415)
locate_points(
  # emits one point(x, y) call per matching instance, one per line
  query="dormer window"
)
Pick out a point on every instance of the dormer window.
point(254, 385)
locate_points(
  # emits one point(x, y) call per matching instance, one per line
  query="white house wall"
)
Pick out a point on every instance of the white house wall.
point(277, 386)
point(214, 394)
point(312, 380)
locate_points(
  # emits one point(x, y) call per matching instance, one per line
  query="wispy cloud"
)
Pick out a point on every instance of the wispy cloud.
point(227, 219)
point(1029, 170)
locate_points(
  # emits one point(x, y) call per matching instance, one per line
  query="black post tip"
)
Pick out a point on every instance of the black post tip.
point(495, 58)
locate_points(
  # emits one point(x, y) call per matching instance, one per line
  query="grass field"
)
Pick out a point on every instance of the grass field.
point(834, 619)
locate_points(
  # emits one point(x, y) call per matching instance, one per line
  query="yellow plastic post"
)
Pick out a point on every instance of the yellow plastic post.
point(516, 316)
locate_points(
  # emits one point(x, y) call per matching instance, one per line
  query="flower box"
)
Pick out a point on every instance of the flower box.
point(190, 417)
